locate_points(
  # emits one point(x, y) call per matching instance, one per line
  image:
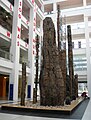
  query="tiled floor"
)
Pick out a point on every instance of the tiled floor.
point(4, 116)
point(87, 114)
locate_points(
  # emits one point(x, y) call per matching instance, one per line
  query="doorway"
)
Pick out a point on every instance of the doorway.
point(4, 87)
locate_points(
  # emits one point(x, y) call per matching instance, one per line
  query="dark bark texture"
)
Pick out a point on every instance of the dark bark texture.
point(37, 69)
point(51, 79)
point(76, 85)
point(70, 63)
point(23, 88)
point(62, 61)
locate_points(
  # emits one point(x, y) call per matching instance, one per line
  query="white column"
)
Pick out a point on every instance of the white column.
point(30, 54)
point(88, 54)
point(55, 18)
point(84, 3)
point(40, 40)
point(42, 7)
point(41, 31)
point(32, 50)
point(40, 45)
point(15, 50)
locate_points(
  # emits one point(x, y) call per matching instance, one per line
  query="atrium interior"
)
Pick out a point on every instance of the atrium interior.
point(21, 22)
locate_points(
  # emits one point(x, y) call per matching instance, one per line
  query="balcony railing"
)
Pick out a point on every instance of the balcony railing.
point(4, 54)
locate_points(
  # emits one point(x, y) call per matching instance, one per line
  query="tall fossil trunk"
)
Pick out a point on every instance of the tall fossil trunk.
point(37, 68)
point(23, 87)
point(51, 79)
point(76, 85)
point(62, 52)
point(70, 61)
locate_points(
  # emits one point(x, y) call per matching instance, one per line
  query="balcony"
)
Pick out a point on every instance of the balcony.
point(40, 8)
point(7, 6)
point(6, 19)
point(40, 13)
point(4, 54)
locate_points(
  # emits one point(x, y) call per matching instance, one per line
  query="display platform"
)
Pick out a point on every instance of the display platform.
point(66, 109)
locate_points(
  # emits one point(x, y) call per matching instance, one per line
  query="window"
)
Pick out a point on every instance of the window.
point(72, 44)
point(12, 2)
point(79, 44)
point(64, 45)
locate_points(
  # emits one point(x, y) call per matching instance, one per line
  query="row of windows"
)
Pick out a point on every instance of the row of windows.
point(73, 46)
point(80, 69)
point(79, 44)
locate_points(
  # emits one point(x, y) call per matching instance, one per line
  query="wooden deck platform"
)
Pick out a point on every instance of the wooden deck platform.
point(67, 109)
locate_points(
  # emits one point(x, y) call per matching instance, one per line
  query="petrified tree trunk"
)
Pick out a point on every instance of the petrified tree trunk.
point(70, 60)
point(34, 95)
point(51, 79)
point(62, 52)
point(76, 85)
point(37, 68)
point(67, 86)
point(62, 61)
point(23, 87)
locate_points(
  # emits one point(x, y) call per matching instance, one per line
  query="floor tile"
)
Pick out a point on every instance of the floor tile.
point(4, 116)
point(38, 118)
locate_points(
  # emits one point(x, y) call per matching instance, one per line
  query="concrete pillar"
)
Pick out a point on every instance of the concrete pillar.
point(42, 7)
point(55, 19)
point(40, 52)
point(84, 3)
point(88, 54)
point(15, 50)
point(41, 30)
point(31, 50)
point(41, 38)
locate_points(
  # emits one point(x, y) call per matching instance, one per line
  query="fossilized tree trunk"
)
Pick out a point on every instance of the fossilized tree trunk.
point(62, 52)
point(76, 85)
point(51, 79)
point(37, 68)
point(62, 61)
point(70, 61)
point(23, 87)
